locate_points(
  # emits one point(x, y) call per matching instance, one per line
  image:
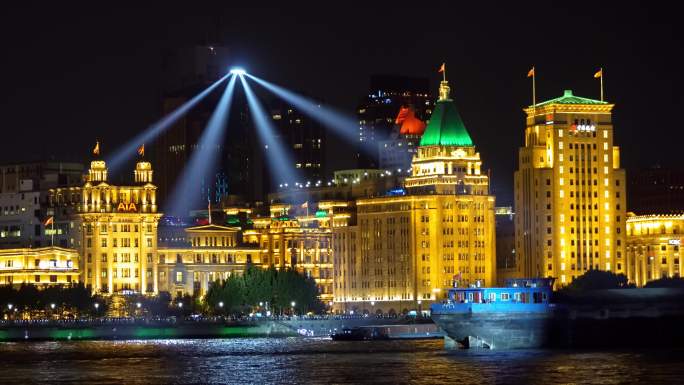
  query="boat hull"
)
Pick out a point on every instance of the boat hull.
point(496, 330)
point(579, 326)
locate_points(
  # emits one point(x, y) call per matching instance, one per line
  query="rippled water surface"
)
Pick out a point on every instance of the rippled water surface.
point(321, 361)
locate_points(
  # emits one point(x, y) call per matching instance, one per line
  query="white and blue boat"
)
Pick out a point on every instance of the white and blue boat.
point(526, 313)
point(515, 316)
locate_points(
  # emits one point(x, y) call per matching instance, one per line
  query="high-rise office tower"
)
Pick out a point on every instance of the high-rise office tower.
point(569, 191)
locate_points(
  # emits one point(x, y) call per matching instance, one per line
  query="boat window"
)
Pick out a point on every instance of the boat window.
point(470, 297)
point(544, 297)
point(505, 296)
point(537, 297)
point(516, 296)
point(492, 297)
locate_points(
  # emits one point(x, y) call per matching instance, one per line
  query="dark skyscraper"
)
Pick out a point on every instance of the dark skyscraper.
point(378, 110)
point(303, 138)
point(237, 174)
point(655, 191)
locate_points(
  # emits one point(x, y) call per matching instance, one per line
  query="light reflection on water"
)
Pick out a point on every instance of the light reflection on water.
point(321, 361)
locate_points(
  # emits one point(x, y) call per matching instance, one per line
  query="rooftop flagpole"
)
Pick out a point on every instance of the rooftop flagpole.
point(533, 74)
point(209, 207)
point(601, 83)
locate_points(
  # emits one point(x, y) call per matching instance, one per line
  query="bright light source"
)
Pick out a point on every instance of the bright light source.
point(237, 71)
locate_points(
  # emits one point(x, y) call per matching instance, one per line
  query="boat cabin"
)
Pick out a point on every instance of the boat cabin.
point(522, 291)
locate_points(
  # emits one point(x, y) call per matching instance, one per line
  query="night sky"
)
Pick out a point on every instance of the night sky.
point(69, 74)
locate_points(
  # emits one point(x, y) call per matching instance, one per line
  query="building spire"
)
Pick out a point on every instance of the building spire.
point(443, 85)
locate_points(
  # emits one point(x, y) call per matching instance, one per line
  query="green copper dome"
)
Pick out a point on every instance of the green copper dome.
point(446, 127)
point(569, 98)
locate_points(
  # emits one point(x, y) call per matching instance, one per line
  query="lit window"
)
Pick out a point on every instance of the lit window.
point(179, 276)
point(605, 133)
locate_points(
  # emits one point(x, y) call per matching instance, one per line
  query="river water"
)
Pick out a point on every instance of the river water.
point(322, 361)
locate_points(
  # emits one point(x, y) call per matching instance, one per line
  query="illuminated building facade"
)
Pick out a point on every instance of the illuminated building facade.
point(378, 110)
point(402, 252)
point(119, 231)
point(299, 238)
point(42, 266)
point(213, 253)
point(25, 190)
point(653, 243)
point(569, 191)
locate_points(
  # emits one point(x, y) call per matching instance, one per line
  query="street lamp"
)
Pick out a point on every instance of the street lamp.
point(138, 305)
point(97, 305)
point(10, 306)
point(292, 303)
point(220, 304)
point(180, 304)
point(52, 306)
